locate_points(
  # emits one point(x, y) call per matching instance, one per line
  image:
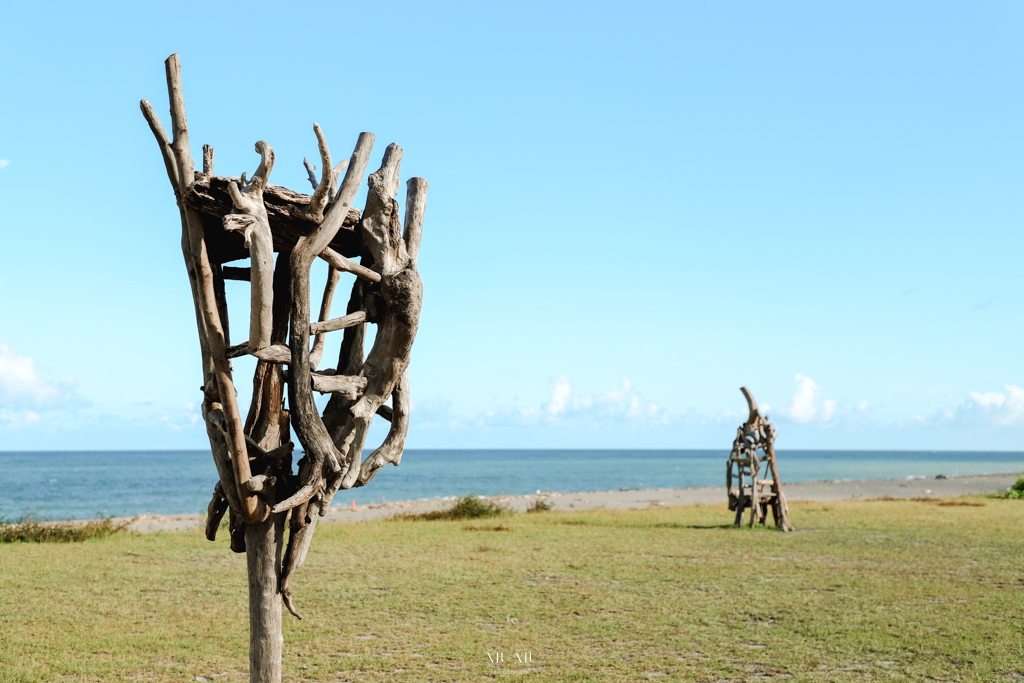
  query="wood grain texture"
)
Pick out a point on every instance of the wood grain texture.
point(334, 324)
point(251, 221)
point(306, 420)
point(341, 263)
point(264, 544)
point(350, 386)
point(401, 291)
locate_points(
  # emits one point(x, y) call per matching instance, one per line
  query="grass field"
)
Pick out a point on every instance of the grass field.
point(882, 590)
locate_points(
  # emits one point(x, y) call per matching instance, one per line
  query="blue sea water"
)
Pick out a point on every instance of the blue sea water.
point(88, 484)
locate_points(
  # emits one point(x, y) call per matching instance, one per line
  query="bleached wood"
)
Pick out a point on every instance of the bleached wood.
point(415, 208)
point(402, 294)
point(390, 451)
point(387, 293)
point(343, 264)
point(166, 151)
point(179, 123)
point(278, 353)
point(338, 323)
point(316, 354)
point(264, 544)
point(309, 427)
point(266, 421)
point(254, 225)
point(207, 160)
point(198, 265)
point(323, 191)
point(260, 483)
point(350, 386)
point(302, 524)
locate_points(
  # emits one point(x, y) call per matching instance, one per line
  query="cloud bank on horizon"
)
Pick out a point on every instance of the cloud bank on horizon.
point(31, 403)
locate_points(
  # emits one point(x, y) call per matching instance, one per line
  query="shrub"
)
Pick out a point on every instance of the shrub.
point(28, 529)
point(541, 506)
point(1016, 491)
point(469, 507)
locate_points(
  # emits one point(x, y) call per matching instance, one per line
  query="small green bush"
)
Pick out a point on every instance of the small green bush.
point(469, 507)
point(1016, 491)
point(28, 529)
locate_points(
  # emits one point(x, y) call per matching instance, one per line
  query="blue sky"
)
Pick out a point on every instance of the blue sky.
point(634, 209)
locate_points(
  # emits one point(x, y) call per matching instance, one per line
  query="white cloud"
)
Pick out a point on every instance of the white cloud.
point(801, 407)
point(559, 395)
point(23, 389)
point(4, 163)
point(804, 406)
point(1002, 410)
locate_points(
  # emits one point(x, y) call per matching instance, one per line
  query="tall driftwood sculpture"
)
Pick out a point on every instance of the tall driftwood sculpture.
point(752, 451)
point(226, 219)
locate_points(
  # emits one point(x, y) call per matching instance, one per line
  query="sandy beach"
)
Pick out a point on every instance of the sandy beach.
point(862, 489)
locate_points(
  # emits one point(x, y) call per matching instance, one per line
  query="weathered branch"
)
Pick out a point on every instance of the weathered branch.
point(235, 273)
point(166, 151)
point(350, 386)
point(179, 123)
point(264, 421)
point(415, 208)
point(323, 192)
point(251, 508)
point(308, 425)
point(278, 353)
point(254, 225)
point(402, 293)
point(310, 172)
point(333, 276)
point(390, 451)
point(338, 323)
point(341, 263)
point(207, 160)
point(215, 512)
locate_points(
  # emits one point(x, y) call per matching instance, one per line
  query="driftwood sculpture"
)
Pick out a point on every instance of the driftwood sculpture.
point(225, 219)
point(747, 485)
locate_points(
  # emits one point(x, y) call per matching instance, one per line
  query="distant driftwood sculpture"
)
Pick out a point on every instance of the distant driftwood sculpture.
point(749, 487)
point(224, 219)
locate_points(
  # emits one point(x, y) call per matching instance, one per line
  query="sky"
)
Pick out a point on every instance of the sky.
point(634, 209)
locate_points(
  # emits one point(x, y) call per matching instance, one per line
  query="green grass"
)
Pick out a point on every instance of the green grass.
point(863, 591)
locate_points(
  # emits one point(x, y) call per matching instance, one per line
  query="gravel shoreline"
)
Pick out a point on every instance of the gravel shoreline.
point(846, 489)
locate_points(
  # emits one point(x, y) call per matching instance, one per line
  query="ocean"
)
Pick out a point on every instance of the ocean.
point(90, 484)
